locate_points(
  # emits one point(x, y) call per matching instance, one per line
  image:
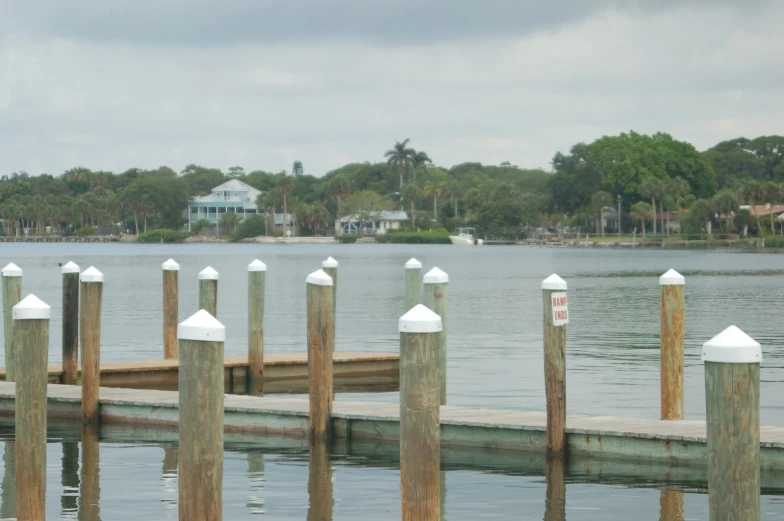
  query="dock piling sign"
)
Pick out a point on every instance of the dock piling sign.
point(732, 405)
point(556, 316)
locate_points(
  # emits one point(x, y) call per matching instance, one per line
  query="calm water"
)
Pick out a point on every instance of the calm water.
point(495, 342)
point(139, 481)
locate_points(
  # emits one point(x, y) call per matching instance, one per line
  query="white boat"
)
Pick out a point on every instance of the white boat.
point(465, 237)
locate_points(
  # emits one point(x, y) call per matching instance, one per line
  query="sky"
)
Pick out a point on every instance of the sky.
point(262, 83)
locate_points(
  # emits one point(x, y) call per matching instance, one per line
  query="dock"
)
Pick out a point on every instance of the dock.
point(496, 438)
point(283, 373)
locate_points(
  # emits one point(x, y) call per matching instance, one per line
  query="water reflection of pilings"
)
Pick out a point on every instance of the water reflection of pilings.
point(171, 459)
point(8, 497)
point(90, 493)
point(320, 483)
point(671, 506)
point(555, 496)
point(256, 479)
point(69, 477)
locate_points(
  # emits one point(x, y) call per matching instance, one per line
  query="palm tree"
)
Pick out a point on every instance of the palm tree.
point(643, 212)
point(772, 192)
point(285, 186)
point(419, 158)
point(436, 190)
point(702, 211)
point(726, 203)
point(751, 192)
point(599, 202)
point(230, 221)
point(412, 192)
point(652, 187)
point(400, 157)
point(339, 188)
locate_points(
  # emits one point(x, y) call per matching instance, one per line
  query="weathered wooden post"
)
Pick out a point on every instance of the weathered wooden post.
point(321, 340)
point(330, 267)
point(31, 345)
point(672, 344)
point(732, 397)
point(671, 505)
point(70, 274)
point(556, 317)
point(171, 307)
point(413, 283)
point(12, 294)
point(91, 296)
point(320, 492)
point(201, 383)
point(436, 283)
point(208, 291)
point(419, 415)
point(257, 273)
point(90, 483)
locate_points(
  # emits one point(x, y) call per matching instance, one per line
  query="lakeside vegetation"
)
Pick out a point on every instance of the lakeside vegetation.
point(651, 174)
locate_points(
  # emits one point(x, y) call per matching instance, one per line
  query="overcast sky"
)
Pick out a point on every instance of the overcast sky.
point(260, 83)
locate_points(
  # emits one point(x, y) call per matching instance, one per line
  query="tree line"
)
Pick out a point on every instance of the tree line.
point(653, 175)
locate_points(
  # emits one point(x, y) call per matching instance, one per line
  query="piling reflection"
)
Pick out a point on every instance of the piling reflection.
point(171, 458)
point(555, 496)
point(8, 497)
point(671, 506)
point(443, 494)
point(90, 493)
point(320, 483)
point(256, 478)
point(69, 478)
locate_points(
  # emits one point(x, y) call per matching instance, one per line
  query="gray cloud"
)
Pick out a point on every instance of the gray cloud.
point(406, 22)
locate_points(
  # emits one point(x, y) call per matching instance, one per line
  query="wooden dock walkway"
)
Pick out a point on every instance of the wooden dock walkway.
point(283, 373)
point(671, 446)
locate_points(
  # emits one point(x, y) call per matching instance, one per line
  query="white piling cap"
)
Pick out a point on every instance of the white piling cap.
point(732, 346)
point(413, 264)
point(435, 276)
point(170, 265)
point(257, 265)
point(201, 326)
point(554, 282)
point(419, 319)
point(208, 274)
point(329, 262)
point(672, 278)
point(11, 270)
point(70, 267)
point(319, 278)
point(31, 308)
point(91, 274)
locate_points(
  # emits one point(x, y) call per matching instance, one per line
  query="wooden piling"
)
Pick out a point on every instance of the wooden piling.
point(555, 319)
point(208, 291)
point(257, 273)
point(70, 331)
point(201, 381)
point(12, 294)
point(671, 505)
point(420, 485)
point(413, 283)
point(320, 493)
point(732, 396)
point(321, 340)
point(91, 305)
point(330, 267)
point(90, 485)
point(171, 307)
point(436, 283)
point(31, 342)
point(672, 344)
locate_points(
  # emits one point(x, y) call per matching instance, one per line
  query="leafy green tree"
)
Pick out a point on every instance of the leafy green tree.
point(654, 188)
point(599, 201)
point(339, 188)
point(200, 225)
point(412, 193)
point(753, 193)
point(285, 186)
point(296, 169)
point(701, 213)
point(367, 206)
point(230, 220)
point(725, 203)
